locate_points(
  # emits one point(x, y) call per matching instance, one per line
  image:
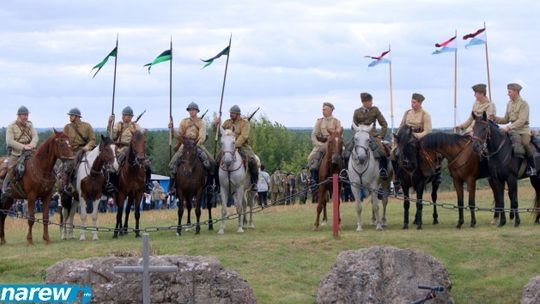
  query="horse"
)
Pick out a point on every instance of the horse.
point(331, 163)
point(131, 183)
point(3, 168)
point(363, 171)
point(191, 177)
point(233, 179)
point(490, 142)
point(415, 170)
point(89, 183)
point(37, 182)
point(250, 196)
point(464, 165)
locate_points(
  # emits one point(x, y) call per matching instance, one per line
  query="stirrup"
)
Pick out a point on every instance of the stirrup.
point(383, 174)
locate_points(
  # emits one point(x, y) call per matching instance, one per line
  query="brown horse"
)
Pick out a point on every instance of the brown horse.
point(464, 165)
point(331, 163)
point(37, 182)
point(191, 178)
point(131, 183)
point(3, 168)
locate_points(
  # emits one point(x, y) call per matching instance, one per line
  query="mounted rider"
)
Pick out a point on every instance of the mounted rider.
point(194, 128)
point(370, 115)
point(122, 132)
point(482, 104)
point(319, 136)
point(517, 118)
point(241, 128)
point(21, 137)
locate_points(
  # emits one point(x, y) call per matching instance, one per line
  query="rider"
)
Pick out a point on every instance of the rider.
point(517, 115)
point(323, 127)
point(192, 127)
point(81, 137)
point(481, 105)
point(367, 115)
point(122, 132)
point(21, 136)
point(241, 128)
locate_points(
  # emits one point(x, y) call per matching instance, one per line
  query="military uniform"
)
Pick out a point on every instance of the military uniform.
point(419, 121)
point(275, 186)
point(194, 129)
point(323, 127)
point(81, 135)
point(479, 107)
point(122, 134)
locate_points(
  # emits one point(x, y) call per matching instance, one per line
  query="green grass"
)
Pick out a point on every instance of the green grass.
point(284, 260)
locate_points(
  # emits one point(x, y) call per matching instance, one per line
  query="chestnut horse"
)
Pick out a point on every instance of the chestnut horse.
point(131, 183)
point(37, 182)
point(191, 178)
point(464, 165)
point(332, 163)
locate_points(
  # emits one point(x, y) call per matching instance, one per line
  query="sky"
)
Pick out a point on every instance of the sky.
point(287, 57)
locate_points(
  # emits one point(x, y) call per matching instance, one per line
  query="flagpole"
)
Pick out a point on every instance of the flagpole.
point(391, 100)
point(455, 83)
point(114, 85)
point(222, 92)
point(170, 102)
point(487, 64)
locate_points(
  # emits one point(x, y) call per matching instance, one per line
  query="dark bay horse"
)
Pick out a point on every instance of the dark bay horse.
point(464, 165)
point(131, 183)
point(504, 167)
point(332, 163)
point(191, 178)
point(415, 170)
point(37, 182)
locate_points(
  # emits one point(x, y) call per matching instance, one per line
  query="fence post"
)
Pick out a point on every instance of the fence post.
point(335, 205)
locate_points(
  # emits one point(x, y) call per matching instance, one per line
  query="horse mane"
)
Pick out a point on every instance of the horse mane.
point(440, 140)
point(47, 144)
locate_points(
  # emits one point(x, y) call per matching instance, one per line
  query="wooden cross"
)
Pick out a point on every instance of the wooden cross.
point(145, 269)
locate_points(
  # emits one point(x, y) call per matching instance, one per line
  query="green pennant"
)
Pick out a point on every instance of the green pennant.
point(165, 56)
point(211, 60)
point(102, 63)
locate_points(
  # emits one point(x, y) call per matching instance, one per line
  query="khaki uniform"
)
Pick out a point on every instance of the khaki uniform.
point(19, 134)
point(478, 109)
point(191, 128)
point(419, 121)
point(276, 187)
point(87, 140)
point(517, 114)
point(241, 130)
point(323, 127)
point(369, 117)
point(122, 134)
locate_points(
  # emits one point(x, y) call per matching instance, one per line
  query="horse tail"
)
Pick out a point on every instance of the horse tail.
point(537, 204)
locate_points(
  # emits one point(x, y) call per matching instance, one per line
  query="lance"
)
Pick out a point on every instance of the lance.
point(222, 92)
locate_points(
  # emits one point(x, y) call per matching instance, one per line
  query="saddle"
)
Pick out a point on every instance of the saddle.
point(20, 167)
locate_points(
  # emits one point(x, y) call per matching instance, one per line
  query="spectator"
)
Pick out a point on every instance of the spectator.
point(158, 195)
point(262, 187)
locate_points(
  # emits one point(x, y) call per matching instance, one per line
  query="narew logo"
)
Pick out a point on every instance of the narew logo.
point(45, 293)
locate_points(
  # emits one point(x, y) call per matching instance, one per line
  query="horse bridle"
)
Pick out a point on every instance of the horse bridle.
point(368, 153)
point(222, 165)
point(485, 152)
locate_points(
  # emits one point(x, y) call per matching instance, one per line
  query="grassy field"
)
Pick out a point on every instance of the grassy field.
point(283, 259)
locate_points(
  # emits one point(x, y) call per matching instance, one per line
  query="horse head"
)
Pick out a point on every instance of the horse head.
point(361, 143)
point(228, 148)
point(481, 134)
point(335, 146)
point(137, 146)
point(107, 153)
point(408, 147)
point(62, 147)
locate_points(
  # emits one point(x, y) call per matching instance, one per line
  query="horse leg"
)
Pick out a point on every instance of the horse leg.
point(434, 189)
point(513, 195)
point(209, 197)
point(499, 202)
point(180, 213)
point(375, 209)
point(251, 203)
point(71, 218)
point(458, 185)
point(84, 215)
point(471, 187)
point(31, 219)
point(493, 186)
point(189, 205)
point(120, 204)
point(138, 198)
point(198, 212)
point(45, 216)
point(94, 219)
point(224, 198)
point(320, 198)
point(240, 208)
point(406, 205)
point(358, 205)
point(129, 205)
point(63, 218)
point(419, 204)
point(3, 216)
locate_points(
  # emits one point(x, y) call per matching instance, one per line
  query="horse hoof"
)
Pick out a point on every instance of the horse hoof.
point(252, 226)
point(384, 223)
point(210, 227)
point(178, 233)
point(95, 238)
point(2, 242)
point(221, 231)
point(493, 222)
point(115, 236)
point(323, 223)
point(359, 228)
point(137, 235)
point(405, 226)
point(82, 237)
point(435, 221)
point(473, 224)
point(419, 227)
point(517, 223)
point(458, 226)
point(315, 228)
point(379, 228)
point(373, 222)
point(240, 230)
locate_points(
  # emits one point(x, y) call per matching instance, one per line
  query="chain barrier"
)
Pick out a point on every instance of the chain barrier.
point(273, 203)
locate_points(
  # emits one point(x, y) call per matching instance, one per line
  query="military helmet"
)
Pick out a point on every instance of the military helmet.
point(75, 111)
point(193, 106)
point(128, 111)
point(22, 110)
point(235, 109)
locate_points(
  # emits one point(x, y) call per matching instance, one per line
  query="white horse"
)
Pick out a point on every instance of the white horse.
point(364, 174)
point(250, 197)
point(233, 179)
point(85, 169)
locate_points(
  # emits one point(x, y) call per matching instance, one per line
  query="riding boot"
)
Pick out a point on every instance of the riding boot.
point(254, 173)
point(531, 168)
point(172, 185)
point(383, 168)
point(204, 159)
point(148, 173)
point(314, 178)
point(6, 189)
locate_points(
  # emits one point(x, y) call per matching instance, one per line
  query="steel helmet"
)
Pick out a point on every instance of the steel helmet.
point(193, 106)
point(127, 111)
point(74, 111)
point(22, 110)
point(235, 109)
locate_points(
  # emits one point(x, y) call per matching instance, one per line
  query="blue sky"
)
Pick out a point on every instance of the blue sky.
point(287, 57)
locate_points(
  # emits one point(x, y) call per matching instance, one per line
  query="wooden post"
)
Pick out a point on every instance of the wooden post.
point(335, 205)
